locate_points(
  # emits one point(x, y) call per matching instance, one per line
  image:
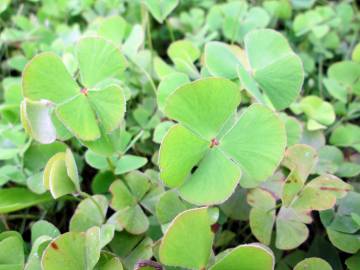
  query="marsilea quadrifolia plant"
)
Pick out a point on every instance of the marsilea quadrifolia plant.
point(227, 148)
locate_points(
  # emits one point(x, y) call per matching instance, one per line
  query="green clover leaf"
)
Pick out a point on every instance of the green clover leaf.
point(204, 156)
point(82, 110)
point(127, 198)
point(271, 66)
point(298, 200)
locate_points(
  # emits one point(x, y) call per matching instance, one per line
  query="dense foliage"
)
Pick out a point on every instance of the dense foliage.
point(180, 134)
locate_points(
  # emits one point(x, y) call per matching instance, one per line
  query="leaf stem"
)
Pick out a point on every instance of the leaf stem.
point(111, 164)
point(320, 77)
point(170, 29)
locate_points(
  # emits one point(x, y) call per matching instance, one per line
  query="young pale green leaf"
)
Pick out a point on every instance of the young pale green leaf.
point(313, 264)
point(160, 9)
point(61, 174)
point(38, 124)
point(188, 240)
point(17, 198)
point(48, 167)
point(249, 257)
point(71, 168)
point(60, 183)
point(99, 60)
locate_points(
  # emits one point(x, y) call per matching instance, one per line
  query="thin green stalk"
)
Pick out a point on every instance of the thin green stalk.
point(22, 216)
point(111, 164)
point(4, 221)
point(320, 77)
point(171, 31)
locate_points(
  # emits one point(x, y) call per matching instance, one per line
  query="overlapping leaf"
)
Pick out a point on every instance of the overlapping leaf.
point(273, 67)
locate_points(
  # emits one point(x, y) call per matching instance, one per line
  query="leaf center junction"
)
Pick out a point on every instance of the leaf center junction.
point(84, 91)
point(214, 142)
